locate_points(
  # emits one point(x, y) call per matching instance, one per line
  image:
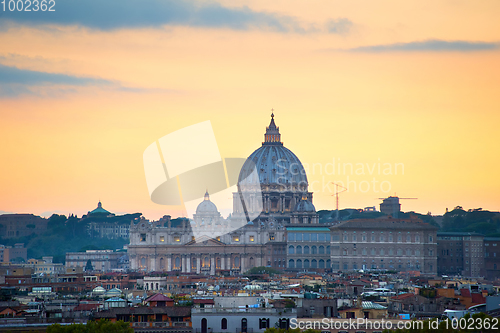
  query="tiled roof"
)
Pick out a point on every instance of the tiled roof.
point(158, 298)
point(478, 298)
point(465, 292)
point(402, 296)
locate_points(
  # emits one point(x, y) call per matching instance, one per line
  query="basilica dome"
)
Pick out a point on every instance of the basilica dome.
point(274, 163)
point(206, 206)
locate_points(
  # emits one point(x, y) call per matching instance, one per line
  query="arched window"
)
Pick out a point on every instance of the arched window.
point(291, 249)
point(162, 263)
point(321, 249)
point(236, 262)
point(314, 249)
point(299, 263)
point(291, 263)
point(204, 325)
point(306, 263)
point(177, 263)
point(306, 249)
point(321, 263)
point(328, 263)
point(143, 262)
point(314, 263)
point(328, 249)
point(298, 249)
point(223, 324)
point(206, 262)
point(244, 325)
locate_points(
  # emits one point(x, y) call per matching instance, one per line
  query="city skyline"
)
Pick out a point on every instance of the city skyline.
point(354, 85)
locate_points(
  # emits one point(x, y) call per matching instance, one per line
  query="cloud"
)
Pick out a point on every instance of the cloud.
point(339, 26)
point(15, 82)
point(432, 45)
point(117, 14)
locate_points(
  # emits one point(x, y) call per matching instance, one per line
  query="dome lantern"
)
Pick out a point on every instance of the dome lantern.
point(272, 136)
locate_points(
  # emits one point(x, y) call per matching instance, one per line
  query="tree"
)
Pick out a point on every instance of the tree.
point(88, 266)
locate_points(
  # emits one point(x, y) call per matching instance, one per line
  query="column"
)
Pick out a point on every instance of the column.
point(198, 264)
point(169, 263)
point(229, 262)
point(212, 265)
point(152, 260)
point(242, 263)
point(183, 264)
point(188, 264)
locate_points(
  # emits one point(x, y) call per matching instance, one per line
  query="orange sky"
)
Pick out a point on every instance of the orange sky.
point(426, 98)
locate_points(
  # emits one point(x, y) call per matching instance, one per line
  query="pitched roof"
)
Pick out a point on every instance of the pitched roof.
point(367, 305)
point(402, 296)
point(478, 298)
point(465, 292)
point(158, 298)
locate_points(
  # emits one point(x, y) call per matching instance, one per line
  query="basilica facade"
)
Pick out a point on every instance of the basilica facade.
point(272, 198)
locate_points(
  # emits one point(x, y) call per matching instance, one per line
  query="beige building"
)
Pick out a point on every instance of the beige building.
point(384, 243)
point(13, 253)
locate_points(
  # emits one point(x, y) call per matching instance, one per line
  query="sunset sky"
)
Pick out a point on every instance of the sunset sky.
point(86, 89)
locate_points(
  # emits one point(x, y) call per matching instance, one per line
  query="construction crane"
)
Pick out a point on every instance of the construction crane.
point(337, 198)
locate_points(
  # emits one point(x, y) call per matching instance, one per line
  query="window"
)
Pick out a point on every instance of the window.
point(314, 250)
point(263, 323)
point(321, 249)
point(306, 237)
point(306, 249)
point(143, 237)
point(223, 324)
point(271, 237)
point(162, 238)
point(252, 239)
point(236, 238)
point(298, 249)
point(291, 263)
point(291, 237)
point(177, 239)
point(291, 249)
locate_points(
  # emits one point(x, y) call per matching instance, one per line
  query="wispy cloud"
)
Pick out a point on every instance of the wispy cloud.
point(117, 14)
point(341, 26)
point(432, 45)
point(15, 81)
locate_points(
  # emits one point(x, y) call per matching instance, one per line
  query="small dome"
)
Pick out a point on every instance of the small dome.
point(304, 205)
point(206, 206)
